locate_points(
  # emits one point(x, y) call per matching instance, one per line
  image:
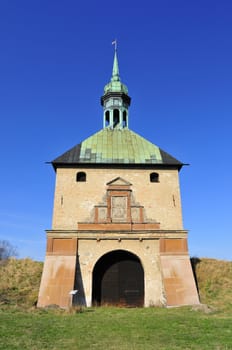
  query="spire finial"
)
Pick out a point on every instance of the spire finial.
point(115, 44)
point(115, 72)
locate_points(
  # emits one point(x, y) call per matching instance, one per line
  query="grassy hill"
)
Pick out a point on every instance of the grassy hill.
point(20, 279)
point(214, 281)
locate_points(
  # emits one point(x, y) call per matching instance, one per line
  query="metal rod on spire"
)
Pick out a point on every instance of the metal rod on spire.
point(115, 44)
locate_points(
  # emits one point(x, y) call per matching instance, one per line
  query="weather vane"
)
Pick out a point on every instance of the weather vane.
point(115, 44)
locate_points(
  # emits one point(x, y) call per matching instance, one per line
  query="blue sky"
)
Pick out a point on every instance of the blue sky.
point(176, 59)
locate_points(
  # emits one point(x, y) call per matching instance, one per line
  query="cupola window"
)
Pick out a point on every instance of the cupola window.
point(154, 177)
point(107, 118)
point(124, 119)
point(116, 117)
point(81, 176)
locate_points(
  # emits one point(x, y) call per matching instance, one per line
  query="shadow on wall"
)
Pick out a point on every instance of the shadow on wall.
point(79, 297)
point(194, 261)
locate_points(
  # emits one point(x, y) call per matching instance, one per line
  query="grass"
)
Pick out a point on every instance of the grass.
point(214, 279)
point(19, 281)
point(115, 328)
point(24, 327)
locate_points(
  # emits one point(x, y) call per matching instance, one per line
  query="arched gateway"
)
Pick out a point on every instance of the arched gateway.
point(118, 279)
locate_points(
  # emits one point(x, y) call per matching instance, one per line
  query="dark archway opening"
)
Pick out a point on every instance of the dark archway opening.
point(124, 119)
point(116, 117)
point(107, 118)
point(118, 279)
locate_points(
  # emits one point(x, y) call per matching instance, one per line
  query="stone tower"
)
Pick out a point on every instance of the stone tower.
point(117, 235)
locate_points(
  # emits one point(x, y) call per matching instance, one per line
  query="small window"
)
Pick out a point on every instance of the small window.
point(154, 177)
point(81, 176)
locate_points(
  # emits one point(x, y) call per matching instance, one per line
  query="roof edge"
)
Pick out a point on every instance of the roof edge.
point(117, 165)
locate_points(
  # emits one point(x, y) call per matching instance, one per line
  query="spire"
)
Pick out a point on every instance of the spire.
point(115, 72)
point(115, 84)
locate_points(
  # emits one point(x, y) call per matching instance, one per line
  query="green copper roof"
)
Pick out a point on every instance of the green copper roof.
point(121, 146)
point(115, 84)
point(115, 144)
point(118, 146)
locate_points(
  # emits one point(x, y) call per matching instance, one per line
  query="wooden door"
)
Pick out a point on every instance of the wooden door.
point(118, 279)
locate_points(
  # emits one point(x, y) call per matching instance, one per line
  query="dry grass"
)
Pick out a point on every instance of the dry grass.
point(214, 280)
point(19, 281)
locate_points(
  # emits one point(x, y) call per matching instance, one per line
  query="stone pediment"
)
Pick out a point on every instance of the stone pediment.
point(118, 181)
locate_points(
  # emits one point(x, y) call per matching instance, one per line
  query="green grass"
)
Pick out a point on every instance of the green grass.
point(115, 328)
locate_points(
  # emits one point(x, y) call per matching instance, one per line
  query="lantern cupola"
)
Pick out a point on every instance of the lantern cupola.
point(115, 100)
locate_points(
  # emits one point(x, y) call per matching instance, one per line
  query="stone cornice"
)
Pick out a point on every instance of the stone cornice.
point(109, 235)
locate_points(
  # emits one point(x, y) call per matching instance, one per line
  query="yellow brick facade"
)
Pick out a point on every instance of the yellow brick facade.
point(74, 201)
point(163, 252)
